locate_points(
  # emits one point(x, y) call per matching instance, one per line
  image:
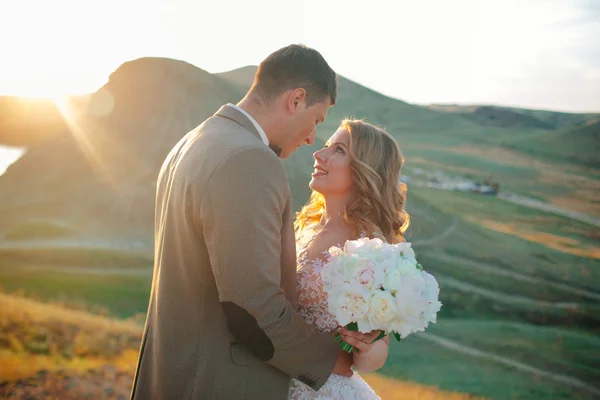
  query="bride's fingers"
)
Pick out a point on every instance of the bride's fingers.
point(358, 343)
point(356, 335)
point(367, 337)
point(371, 336)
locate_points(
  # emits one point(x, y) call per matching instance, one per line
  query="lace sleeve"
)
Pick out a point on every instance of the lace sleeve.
point(312, 300)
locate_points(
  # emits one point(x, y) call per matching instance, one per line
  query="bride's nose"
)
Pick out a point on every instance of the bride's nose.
point(317, 155)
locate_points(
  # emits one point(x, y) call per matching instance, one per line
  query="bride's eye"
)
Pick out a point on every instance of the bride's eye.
point(339, 150)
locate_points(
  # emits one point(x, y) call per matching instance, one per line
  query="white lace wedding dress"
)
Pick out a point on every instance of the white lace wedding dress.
point(312, 306)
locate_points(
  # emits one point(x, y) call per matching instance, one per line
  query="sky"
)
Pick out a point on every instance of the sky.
point(542, 54)
point(527, 53)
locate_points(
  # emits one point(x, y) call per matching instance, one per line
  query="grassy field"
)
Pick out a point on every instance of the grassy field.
point(72, 257)
point(115, 295)
point(429, 363)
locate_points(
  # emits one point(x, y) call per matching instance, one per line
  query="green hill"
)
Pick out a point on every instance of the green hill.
point(579, 145)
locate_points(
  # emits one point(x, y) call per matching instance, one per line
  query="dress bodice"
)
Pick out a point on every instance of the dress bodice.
point(312, 300)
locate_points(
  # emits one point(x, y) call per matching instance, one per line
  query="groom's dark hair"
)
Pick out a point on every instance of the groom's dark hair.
point(296, 66)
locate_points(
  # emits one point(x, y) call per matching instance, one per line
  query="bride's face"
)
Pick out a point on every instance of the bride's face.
point(331, 174)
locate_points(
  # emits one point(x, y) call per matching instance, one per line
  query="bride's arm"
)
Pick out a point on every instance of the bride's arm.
point(370, 356)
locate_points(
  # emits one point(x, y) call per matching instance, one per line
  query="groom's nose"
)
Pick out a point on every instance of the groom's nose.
point(310, 140)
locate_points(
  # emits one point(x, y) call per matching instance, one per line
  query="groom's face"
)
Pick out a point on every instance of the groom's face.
point(303, 126)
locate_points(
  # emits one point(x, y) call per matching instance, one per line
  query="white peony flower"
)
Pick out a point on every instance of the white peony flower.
point(392, 279)
point(431, 292)
point(407, 265)
point(352, 246)
point(362, 246)
point(432, 289)
point(406, 249)
point(369, 274)
point(410, 301)
point(335, 251)
point(348, 303)
point(366, 275)
point(383, 309)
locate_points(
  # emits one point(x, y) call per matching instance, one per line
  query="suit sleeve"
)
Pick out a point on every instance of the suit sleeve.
point(242, 223)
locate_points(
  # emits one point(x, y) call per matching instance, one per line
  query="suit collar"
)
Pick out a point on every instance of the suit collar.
point(231, 113)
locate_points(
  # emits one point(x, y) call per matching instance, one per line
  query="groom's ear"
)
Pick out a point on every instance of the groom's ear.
point(296, 100)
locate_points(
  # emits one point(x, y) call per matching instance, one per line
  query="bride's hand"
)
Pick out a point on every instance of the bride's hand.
point(362, 341)
point(370, 355)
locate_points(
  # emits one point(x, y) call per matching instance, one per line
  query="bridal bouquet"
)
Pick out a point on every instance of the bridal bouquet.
point(372, 285)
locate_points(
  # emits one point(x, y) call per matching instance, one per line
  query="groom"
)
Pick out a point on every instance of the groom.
point(221, 322)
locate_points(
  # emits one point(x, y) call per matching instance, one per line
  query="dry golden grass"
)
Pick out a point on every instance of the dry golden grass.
point(392, 389)
point(14, 366)
point(35, 336)
point(51, 352)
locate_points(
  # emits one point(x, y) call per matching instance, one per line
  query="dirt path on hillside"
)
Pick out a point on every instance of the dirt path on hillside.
point(516, 275)
point(547, 207)
point(510, 299)
point(438, 238)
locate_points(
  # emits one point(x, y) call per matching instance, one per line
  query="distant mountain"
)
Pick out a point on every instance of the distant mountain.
point(510, 117)
point(97, 176)
point(241, 76)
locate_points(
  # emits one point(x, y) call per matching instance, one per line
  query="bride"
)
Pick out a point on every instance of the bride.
point(356, 193)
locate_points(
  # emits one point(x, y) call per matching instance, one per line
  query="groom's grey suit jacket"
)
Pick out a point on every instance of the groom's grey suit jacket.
point(221, 321)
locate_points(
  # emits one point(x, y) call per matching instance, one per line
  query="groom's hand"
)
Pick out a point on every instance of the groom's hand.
point(343, 365)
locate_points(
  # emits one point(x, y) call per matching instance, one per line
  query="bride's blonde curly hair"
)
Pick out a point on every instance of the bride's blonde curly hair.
point(378, 198)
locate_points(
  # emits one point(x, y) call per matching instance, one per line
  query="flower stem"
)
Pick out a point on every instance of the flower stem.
point(348, 348)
